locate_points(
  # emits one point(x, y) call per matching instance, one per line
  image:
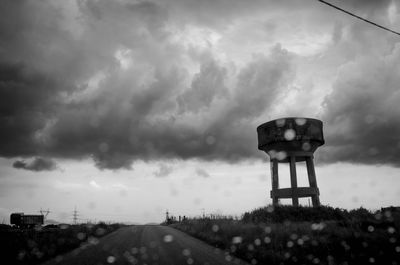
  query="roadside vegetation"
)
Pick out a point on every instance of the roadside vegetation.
point(303, 235)
point(34, 246)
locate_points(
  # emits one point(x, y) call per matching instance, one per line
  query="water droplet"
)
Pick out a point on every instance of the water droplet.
point(371, 228)
point(93, 240)
point(257, 242)
point(237, 240)
point(267, 240)
point(317, 226)
point(134, 251)
point(387, 214)
point(290, 244)
point(281, 155)
point(300, 121)
point(189, 261)
point(289, 134)
point(186, 252)
point(268, 229)
point(280, 122)
point(272, 154)
point(81, 236)
point(111, 259)
point(378, 216)
point(64, 226)
point(168, 238)
point(215, 228)
point(306, 146)
point(391, 230)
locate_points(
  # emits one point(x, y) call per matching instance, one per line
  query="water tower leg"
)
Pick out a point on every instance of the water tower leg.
point(275, 181)
point(312, 180)
point(293, 180)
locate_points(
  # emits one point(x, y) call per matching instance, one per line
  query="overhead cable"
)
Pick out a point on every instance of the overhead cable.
point(363, 19)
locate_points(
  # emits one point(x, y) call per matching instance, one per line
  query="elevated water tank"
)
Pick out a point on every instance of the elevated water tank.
point(291, 135)
point(290, 140)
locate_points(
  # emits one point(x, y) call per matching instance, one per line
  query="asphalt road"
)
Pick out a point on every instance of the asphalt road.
point(148, 244)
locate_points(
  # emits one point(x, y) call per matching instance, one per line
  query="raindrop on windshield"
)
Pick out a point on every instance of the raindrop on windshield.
point(237, 240)
point(289, 134)
point(280, 122)
point(168, 238)
point(215, 228)
point(300, 121)
point(111, 259)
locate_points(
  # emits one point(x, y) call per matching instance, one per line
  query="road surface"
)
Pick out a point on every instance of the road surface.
point(148, 244)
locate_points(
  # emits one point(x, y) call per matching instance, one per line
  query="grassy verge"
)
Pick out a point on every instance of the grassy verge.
point(292, 235)
point(34, 246)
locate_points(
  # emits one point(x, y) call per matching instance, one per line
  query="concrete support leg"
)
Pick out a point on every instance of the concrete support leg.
point(312, 180)
point(293, 180)
point(275, 181)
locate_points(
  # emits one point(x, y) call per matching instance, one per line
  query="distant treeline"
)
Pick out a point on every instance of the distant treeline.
point(34, 246)
point(304, 235)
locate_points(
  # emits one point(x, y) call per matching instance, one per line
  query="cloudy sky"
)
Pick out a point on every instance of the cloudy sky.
point(127, 108)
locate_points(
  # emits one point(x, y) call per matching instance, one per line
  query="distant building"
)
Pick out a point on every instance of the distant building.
point(26, 221)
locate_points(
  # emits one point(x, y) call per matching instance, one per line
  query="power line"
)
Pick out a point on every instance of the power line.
point(363, 19)
point(45, 213)
point(75, 216)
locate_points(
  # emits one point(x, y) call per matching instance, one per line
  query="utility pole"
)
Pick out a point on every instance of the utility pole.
point(75, 215)
point(45, 213)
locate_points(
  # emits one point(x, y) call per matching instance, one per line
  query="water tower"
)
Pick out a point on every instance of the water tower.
point(291, 140)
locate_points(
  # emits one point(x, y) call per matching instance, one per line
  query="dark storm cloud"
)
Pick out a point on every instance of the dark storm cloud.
point(37, 164)
point(362, 113)
point(29, 89)
point(206, 85)
point(128, 118)
point(148, 123)
point(114, 85)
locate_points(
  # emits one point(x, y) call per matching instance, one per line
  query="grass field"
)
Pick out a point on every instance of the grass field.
point(302, 235)
point(34, 246)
